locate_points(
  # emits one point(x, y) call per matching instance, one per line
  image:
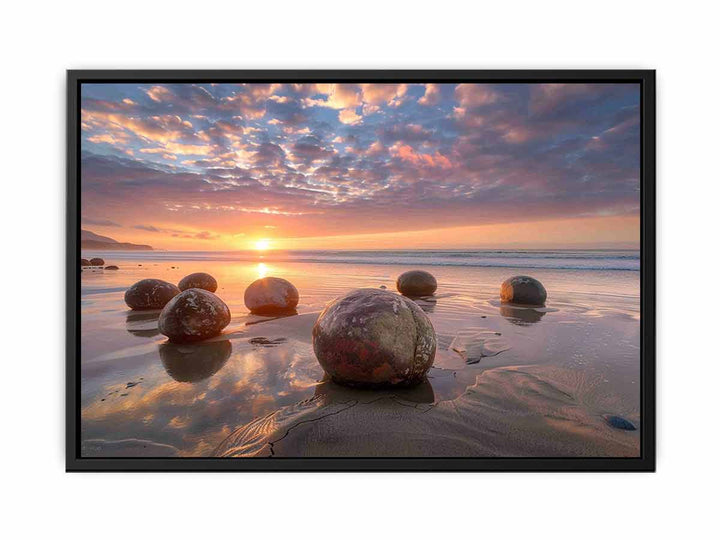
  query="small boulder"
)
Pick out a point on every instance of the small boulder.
point(111, 267)
point(271, 295)
point(97, 261)
point(84, 262)
point(374, 338)
point(523, 290)
point(198, 280)
point(416, 283)
point(193, 315)
point(150, 294)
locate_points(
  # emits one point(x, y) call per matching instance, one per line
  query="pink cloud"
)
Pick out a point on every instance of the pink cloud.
point(348, 116)
point(475, 95)
point(406, 153)
point(431, 96)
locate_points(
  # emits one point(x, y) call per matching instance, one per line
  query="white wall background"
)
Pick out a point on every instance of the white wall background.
point(40, 40)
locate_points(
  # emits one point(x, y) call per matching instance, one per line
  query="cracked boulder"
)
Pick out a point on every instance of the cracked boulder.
point(523, 290)
point(374, 338)
point(198, 280)
point(416, 283)
point(271, 296)
point(193, 315)
point(150, 294)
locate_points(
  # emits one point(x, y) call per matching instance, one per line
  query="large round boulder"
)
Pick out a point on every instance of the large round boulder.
point(193, 315)
point(416, 283)
point(271, 295)
point(150, 294)
point(198, 280)
point(97, 261)
point(523, 290)
point(372, 338)
point(84, 262)
point(112, 267)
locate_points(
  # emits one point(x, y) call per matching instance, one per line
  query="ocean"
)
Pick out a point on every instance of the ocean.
point(608, 260)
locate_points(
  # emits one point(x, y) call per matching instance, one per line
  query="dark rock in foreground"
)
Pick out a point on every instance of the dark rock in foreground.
point(97, 261)
point(150, 294)
point(618, 422)
point(372, 337)
point(417, 283)
point(112, 267)
point(198, 280)
point(193, 315)
point(523, 290)
point(84, 262)
point(271, 295)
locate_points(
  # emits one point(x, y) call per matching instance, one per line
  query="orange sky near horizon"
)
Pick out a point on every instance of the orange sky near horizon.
point(606, 232)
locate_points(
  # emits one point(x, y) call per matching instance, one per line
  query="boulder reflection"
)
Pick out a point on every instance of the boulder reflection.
point(521, 316)
point(194, 362)
point(331, 392)
point(143, 323)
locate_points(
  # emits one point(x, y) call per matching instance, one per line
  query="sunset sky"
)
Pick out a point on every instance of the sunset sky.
point(358, 166)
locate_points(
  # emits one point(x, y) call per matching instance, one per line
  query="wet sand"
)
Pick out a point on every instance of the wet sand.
point(505, 382)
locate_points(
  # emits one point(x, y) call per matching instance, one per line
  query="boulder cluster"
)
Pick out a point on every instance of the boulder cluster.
point(190, 310)
point(366, 338)
point(96, 262)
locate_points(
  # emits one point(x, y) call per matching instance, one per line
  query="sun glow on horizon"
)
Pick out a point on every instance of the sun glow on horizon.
point(262, 244)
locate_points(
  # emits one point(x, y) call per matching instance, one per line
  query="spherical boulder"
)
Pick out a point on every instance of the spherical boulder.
point(97, 261)
point(198, 280)
point(84, 262)
point(193, 315)
point(112, 267)
point(150, 294)
point(374, 338)
point(271, 295)
point(523, 290)
point(416, 283)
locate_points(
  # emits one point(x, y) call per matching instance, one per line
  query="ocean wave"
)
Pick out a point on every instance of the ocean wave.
point(558, 260)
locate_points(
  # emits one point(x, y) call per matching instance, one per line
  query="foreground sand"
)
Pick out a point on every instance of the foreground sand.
point(505, 382)
point(508, 412)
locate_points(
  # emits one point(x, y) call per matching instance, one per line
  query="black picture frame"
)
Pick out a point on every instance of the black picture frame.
point(646, 461)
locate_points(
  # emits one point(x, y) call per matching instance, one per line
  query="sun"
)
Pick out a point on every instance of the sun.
point(262, 244)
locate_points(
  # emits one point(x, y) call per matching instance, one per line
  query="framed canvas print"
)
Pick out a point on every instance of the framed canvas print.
point(361, 270)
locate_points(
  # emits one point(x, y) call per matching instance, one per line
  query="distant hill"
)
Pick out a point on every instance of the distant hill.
point(90, 240)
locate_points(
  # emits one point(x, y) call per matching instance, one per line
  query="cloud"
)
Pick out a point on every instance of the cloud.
point(383, 94)
point(431, 96)
point(149, 228)
point(348, 116)
point(408, 153)
point(99, 222)
point(475, 95)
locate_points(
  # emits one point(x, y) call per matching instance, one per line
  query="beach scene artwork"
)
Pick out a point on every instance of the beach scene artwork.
point(359, 270)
